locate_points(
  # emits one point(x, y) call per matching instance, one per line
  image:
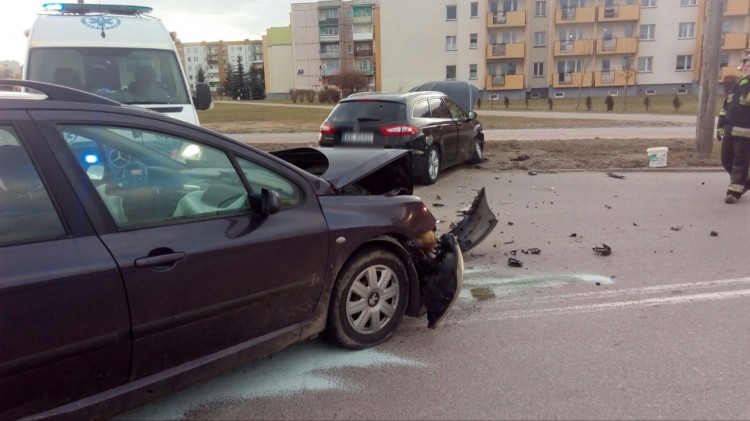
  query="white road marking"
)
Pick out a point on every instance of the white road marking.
point(565, 304)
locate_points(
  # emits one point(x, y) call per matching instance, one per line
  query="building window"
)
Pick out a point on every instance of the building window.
point(450, 12)
point(688, 2)
point(723, 60)
point(473, 43)
point(450, 72)
point(647, 32)
point(540, 39)
point(684, 62)
point(472, 71)
point(687, 30)
point(474, 9)
point(648, 3)
point(645, 64)
point(539, 69)
point(540, 8)
point(450, 42)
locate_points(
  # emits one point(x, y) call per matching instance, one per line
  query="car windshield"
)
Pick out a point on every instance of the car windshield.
point(352, 111)
point(127, 75)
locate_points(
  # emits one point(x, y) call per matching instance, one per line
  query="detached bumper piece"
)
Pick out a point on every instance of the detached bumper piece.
point(442, 280)
point(477, 224)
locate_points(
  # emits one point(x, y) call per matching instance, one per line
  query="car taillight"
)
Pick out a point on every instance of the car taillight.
point(398, 130)
point(327, 129)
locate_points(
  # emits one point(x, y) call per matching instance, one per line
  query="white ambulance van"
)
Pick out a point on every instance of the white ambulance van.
point(115, 51)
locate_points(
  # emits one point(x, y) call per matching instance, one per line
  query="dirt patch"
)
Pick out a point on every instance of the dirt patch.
point(595, 154)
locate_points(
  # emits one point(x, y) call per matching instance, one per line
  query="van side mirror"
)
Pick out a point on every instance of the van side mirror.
point(202, 98)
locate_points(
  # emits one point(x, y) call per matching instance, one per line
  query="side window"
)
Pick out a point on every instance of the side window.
point(456, 112)
point(438, 109)
point(147, 178)
point(26, 211)
point(260, 177)
point(421, 110)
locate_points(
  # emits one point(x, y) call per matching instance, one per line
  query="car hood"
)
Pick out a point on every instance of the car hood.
point(464, 93)
point(356, 170)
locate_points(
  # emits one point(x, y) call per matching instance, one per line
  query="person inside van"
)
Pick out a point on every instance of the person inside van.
point(67, 76)
point(145, 87)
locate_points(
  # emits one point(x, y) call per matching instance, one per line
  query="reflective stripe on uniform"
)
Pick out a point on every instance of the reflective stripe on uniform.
point(740, 132)
point(739, 188)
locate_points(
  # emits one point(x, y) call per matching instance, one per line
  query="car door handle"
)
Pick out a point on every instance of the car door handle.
point(161, 260)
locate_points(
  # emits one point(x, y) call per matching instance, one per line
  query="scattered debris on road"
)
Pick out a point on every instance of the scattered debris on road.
point(522, 157)
point(613, 175)
point(676, 228)
point(714, 234)
point(514, 263)
point(532, 250)
point(603, 250)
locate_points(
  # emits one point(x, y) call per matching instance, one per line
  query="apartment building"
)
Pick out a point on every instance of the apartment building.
point(330, 38)
point(554, 48)
point(215, 56)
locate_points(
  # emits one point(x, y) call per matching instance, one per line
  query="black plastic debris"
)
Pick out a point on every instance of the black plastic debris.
point(573, 235)
point(439, 198)
point(613, 175)
point(603, 250)
point(714, 234)
point(676, 228)
point(522, 157)
point(443, 285)
point(510, 223)
point(608, 207)
point(438, 205)
point(533, 173)
point(532, 250)
point(514, 263)
point(513, 252)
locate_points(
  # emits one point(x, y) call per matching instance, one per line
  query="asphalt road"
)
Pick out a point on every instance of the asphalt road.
point(656, 330)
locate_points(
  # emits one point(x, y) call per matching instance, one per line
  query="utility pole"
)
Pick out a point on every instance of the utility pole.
point(704, 134)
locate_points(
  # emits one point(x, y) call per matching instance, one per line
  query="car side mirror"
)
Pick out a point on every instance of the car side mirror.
point(270, 202)
point(95, 172)
point(472, 115)
point(202, 98)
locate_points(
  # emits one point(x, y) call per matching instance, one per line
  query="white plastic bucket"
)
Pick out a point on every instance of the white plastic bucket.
point(657, 157)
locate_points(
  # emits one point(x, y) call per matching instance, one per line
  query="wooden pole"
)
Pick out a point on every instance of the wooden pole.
point(709, 79)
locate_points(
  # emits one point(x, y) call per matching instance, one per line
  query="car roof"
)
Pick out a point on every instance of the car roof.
point(393, 97)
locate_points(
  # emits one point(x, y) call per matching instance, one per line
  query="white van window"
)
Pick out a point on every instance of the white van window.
point(127, 75)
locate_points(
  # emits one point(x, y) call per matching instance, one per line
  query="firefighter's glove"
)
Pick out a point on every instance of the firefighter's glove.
point(719, 134)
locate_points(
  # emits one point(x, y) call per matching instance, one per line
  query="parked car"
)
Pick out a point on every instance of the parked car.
point(430, 124)
point(139, 253)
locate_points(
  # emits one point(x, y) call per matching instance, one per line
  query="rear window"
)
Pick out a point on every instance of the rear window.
point(361, 111)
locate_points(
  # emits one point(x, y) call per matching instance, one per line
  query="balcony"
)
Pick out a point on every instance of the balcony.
point(328, 22)
point(734, 41)
point(619, 13)
point(365, 19)
point(579, 47)
point(506, 19)
point(362, 34)
point(506, 51)
point(615, 77)
point(365, 70)
point(504, 82)
point(330, 54)
point(617, 46)
point(573, 80)
point(737, 8)
point(329, 38)
point(729, 71)
point(567, 15)
point(363, 53)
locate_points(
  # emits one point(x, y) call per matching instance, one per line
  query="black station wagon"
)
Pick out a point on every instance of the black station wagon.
point(139, 253)
point(430, 124)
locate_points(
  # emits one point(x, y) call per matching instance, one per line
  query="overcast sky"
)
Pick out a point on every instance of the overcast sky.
point(194, 20)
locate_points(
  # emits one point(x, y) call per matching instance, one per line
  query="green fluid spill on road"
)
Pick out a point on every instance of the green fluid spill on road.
point(482, 293)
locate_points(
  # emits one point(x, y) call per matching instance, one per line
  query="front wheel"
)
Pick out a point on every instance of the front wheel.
point(477, 152)
point(368, 300)
point(432, 166)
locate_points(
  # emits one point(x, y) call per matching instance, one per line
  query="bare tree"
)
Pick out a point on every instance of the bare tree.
point(586, 61)
point(628, 76)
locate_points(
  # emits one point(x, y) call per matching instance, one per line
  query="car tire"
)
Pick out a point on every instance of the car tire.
point(477, 153)
point(368, 300)
point(432, 166)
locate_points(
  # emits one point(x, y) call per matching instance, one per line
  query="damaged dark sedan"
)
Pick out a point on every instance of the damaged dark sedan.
point(139, 254)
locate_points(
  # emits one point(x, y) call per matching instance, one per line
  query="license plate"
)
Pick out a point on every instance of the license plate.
point(356, 137)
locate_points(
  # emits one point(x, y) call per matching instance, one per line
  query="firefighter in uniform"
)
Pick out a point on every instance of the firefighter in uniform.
point(734, 129)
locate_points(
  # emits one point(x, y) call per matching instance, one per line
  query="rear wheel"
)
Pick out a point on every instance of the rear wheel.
point(432, 166)
point(368, 300)
point(477, 153)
